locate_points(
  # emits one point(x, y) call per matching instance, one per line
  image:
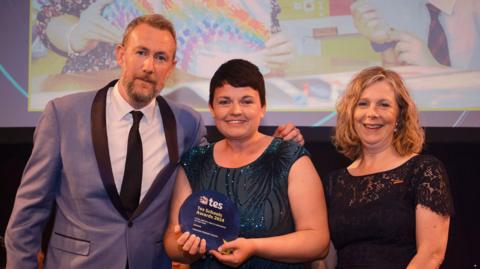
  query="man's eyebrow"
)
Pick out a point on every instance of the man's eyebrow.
point(140, 48)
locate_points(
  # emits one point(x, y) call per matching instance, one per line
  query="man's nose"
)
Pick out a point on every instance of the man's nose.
point(148, 65)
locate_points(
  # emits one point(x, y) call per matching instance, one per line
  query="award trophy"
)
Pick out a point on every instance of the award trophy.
point(211, 216)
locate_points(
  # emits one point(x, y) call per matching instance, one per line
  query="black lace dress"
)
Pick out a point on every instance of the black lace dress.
point(259, 189)
point(372, 217)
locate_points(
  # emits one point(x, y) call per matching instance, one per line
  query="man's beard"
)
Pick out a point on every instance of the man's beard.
point(141, 96)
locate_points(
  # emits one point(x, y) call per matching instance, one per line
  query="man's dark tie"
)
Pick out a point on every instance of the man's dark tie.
point(437, 40)
point(132, 177)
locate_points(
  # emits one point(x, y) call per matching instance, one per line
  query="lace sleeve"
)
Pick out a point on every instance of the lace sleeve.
point(432, 187)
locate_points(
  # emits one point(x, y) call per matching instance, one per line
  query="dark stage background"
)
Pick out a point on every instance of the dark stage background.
point(457, 147)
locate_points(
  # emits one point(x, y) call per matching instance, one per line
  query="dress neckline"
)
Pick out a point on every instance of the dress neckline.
point(384, 171)
point(260, 157)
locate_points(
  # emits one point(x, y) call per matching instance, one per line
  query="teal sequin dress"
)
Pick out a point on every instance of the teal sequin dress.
point(259, 189)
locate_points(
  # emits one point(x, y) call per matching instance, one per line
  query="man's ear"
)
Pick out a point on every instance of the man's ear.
point(172, 69)
point(119, 53)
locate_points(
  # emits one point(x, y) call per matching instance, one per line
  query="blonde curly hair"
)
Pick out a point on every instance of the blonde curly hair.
point(409, 135)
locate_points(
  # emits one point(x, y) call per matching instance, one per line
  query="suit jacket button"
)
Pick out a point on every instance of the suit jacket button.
point(130, 224)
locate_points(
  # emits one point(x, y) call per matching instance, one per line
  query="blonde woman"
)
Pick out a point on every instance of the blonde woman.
point(391, 207)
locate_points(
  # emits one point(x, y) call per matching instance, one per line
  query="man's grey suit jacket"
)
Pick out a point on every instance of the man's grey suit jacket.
point(70, 167)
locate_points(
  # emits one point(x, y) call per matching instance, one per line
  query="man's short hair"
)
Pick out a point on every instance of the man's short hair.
point(154, 20)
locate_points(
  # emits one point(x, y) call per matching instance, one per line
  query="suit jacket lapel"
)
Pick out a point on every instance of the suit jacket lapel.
point(100, 145)
point(170, 128)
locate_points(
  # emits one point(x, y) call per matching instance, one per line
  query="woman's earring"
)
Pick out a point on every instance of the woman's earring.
point(396, 127)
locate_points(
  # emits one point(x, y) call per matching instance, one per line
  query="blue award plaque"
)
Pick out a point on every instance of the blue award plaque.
point(211, 216)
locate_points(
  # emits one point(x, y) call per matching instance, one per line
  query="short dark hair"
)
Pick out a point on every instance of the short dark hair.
point(238, 73)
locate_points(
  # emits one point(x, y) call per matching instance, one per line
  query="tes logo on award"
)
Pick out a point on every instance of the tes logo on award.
point(204, 200)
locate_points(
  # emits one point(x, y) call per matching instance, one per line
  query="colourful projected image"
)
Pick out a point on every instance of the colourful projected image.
point(308, 50)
